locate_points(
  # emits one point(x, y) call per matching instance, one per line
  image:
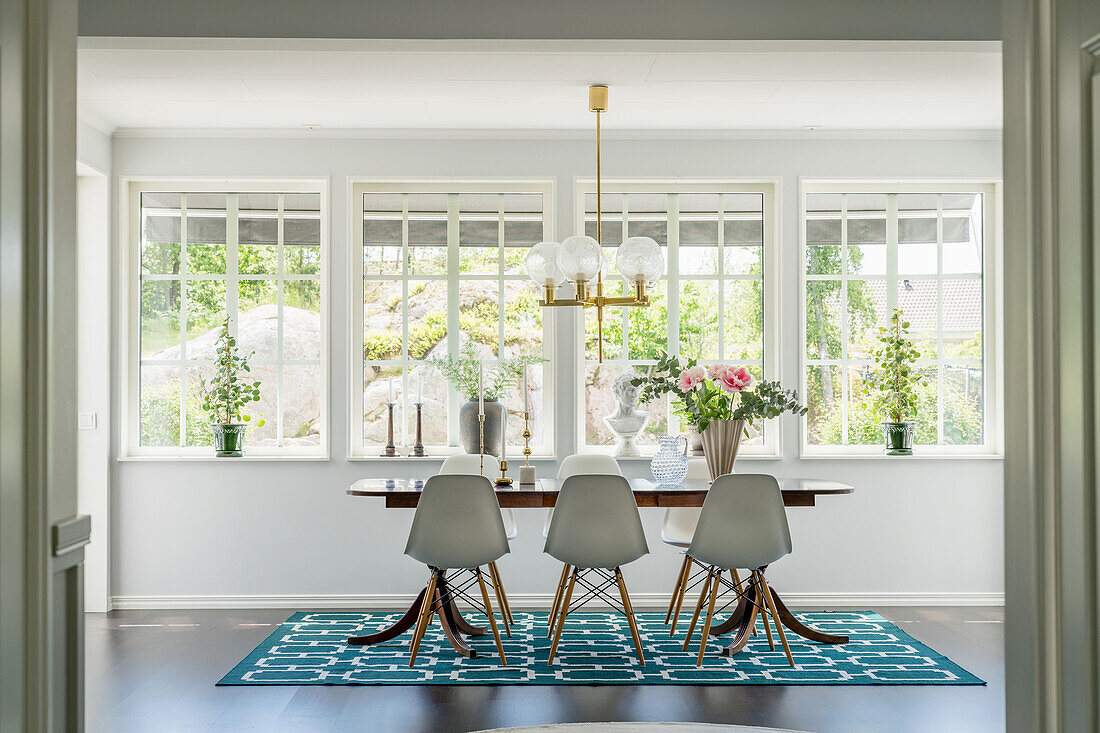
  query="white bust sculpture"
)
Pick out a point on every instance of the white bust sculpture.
point(627, 421)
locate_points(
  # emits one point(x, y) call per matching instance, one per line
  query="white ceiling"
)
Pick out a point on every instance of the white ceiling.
point(130, 85)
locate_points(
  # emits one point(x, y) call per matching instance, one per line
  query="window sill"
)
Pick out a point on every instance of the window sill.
point(214, 459)
point(917, 456)
point(740, 457)
point(513, 461)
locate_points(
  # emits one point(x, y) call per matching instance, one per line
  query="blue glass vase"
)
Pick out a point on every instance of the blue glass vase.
point(669, 465)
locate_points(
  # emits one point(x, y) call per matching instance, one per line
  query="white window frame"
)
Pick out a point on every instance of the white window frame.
point(357, 187)
point(769, 189)
point(129, 237)
point(992, 308)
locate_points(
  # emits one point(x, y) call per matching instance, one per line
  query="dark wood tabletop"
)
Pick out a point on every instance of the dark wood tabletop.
point(403, 493)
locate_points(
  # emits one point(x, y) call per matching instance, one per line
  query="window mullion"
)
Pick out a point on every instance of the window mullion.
point(845, 387)
point(500, 279)
point(280, 289)
point(183, 322)
point(403, 438)
point(452, 307)
point(672, 229)
point(721, 269)
point(939, 320)
point(624, 232)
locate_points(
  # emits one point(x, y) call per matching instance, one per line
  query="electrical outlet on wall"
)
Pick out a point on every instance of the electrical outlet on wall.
point(86, 421)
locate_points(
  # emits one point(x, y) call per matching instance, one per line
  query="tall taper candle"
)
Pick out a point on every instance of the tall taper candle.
point(420, 386)
point(480, 388)
point(504, 437)
point(391, 388)
point(526, 398)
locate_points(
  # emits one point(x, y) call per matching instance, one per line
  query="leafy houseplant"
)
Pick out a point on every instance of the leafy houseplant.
point(464, 371)
point(226, 394)
point(893, 386)
point(717, 401)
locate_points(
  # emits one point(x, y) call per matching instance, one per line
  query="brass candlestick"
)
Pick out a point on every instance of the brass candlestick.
point(418, 449)
point(391, 449)
point(503, 479)
point(526, 471)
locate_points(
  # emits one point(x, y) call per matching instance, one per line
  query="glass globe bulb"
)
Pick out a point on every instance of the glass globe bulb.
point(542, 264)
point(640, 259)
point(580, 258)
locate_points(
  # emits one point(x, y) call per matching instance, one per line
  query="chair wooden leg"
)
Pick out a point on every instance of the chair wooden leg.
point(698, 608)
point(489, 613)
point(422, 620)
point(680, 600)
point(562, 582)
point(710, 617)
point(561, 616)
point(775, 617)
point(633, 622)
point(763, 611)
point(502, 598)
point(498, 590)
point(684, 566)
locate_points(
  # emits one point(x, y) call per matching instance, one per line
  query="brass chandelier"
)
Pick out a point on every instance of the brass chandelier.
point(580, 259)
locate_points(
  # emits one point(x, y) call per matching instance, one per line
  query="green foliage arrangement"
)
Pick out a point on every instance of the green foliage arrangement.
point(718, 393)
point(893, 387)
point(226, 393)
point(462, 372)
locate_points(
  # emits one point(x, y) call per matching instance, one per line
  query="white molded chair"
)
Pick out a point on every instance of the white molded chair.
point(596, 530)
point(470, 464)
point(457, 526)
point(578, 464)
point(743, 524)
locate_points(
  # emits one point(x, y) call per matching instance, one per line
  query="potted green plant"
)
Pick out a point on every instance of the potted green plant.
point(464, 371)
point(893, 386)
point(224, 396)
point(718, 402)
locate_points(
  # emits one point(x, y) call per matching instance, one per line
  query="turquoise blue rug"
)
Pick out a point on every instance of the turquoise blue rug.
point(596, 649)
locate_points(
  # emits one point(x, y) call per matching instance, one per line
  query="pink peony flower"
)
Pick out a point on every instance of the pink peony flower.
point(718, 371)
point(691, 378)
point(733, 380)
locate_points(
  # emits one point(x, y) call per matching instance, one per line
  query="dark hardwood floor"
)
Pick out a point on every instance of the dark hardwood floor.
point(153, 671)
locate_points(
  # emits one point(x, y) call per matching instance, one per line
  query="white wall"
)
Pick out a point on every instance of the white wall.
point(93, 353)
point(187, 533)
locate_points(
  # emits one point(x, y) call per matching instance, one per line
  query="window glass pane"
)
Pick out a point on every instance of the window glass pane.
point(160, 406)
point(918, 300)
point(743, 312)
point(301, 320)
point(383, 313)
point(427, 233)
point(205, 313)
point(301, 403)
point(648, 335)
point(479, 314)
point(963, 404)
point(699, 319)
point(479, 232)
point(612, 218)
point(522, 319)
point(258, 233)
point(198, 422)
point(823, 334)
point(258, 320)
point(376, 393)
point(823, 401)
point(382, 237)
point(160, 236)
point(206, 233)
point(434, 411)
point(427, 318)
point(864, 423)
point(866, 312)
point(700, 260)
point(160, 318)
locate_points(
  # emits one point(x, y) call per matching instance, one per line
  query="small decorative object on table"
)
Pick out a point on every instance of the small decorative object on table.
point(717, 402)
point(627, 421)
point(893, 385)
point(226, 393)
point(669, 465)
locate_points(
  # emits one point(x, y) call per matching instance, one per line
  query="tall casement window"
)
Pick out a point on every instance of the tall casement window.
point(439, 268)
point(717, 301)
point(929, 249)
point(198, 252)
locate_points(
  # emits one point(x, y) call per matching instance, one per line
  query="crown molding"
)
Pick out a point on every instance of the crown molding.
point(533, 134)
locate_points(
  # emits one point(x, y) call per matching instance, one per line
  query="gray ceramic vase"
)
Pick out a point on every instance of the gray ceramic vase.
point(469, 429)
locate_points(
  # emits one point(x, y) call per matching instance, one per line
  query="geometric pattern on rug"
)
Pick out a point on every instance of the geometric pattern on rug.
point(310, 648)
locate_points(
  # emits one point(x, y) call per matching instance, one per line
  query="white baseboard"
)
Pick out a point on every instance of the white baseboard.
point(539, 600)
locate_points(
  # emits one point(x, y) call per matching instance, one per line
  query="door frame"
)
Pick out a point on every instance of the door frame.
point(1052, 280)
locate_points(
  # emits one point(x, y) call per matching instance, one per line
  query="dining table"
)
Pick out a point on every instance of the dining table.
point(404, 493)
